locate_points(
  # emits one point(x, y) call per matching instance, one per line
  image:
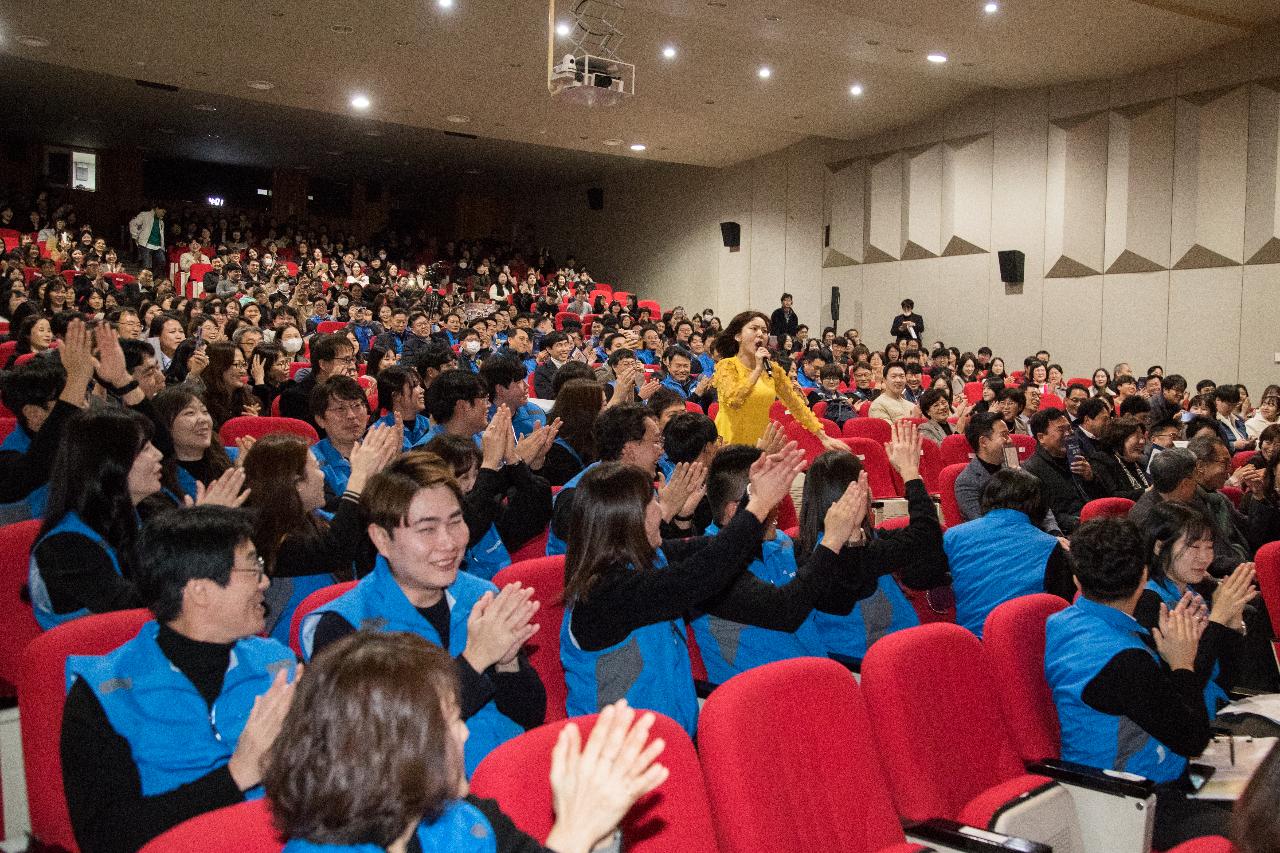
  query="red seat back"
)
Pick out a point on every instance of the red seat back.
point(1105, 508)
point(690, 406)
point(655, 310)
point(884, 481)
point(930, 465)
point(1238, 460)
point(561, 316)
point(317, 599)
point(875, 429)
point(534, 549)
point(42, 693)
point(197, 271)
point(676, 818)
point(1207, 844)
point(955, 450)
point(1051, 401)
point(787, 515)
point(242, 828)
point(807, 441)
point(17, 622)
point(794, 777)
point(546, 576)
point(296, 366)
point(947, 494)
point(863, 408)
point(7, 425)
point(327, 327)
point(1025, 444)
point(830, 427)
point(7, 349)
point(1013, 644)
point(912, 679)
point(712, 410)
point(1267, 564)
point(1233, 494)
point(973, 392)
point(257, 427)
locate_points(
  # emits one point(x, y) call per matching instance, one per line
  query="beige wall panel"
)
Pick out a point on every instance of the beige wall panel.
point(1076, 196)
point(951, 295)
point(966, 196)
point(885, 214)
point(1234, 64)
point(803, 246)
point(845, 203)
point(768, 246)
point(882, 292)
point(1211, 149)
point(1068, 102)
point(922, 237)
point(1262, 195)
point(1135, 322)
point(1154, 85)
point(1139, 188)
point(1072, 322)
point(1204, 323)
point(1259, 342)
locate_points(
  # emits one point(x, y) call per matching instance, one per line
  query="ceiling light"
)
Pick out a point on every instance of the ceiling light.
point(457, 118)
point(373, 132)
point(611, 142)
point(563, 29)
point(991, 8)
point(205, 108)
point(261, 85)
point(855, 89)
point(937, 58)
point(765, 72)
point(669, 52)
point(638, 146)
point(445, 4)
point(360, 102)
point(773, 19)
point(33, 41)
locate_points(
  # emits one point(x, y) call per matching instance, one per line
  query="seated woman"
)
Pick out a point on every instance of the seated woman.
point(577, 404)
point(35, 335)
point(1117, 465)
point(935, 405)
point(628, 592)
point(226, 384)
point(269, 372)
point(400, 394)
point(914, 552)
point(198, 457)
point(398, 783)
point(302, 548)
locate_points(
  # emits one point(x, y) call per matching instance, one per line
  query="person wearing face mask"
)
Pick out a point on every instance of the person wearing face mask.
point(469, 352)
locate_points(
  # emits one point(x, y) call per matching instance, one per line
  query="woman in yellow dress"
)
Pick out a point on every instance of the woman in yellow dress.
point(746, 388)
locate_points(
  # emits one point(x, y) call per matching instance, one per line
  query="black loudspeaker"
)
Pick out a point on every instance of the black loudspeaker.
point(731, 233)
point(835, 305)
point(595, 198)
point(1012, 264)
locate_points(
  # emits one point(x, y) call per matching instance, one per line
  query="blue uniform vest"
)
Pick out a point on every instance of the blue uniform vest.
point(806, 383)
point(729, 648)
point(412, 434)
point(1214, 696)
point(1079, 642)
point(883, 612)
point(684, 390)
point(438, 429)
point(336, 468)
point(488, 556)
point(556, 545)
point(525, 419)
point(40, 601)
point(646, 356)
point(707, 362)
point(174, 736)
point(378, 603)
point(18, 441)
point(984, 576)
point(462, 828)
point(650, 668)
point(299, 588)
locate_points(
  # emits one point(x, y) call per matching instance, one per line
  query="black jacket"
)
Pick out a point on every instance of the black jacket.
point(1064, 493)
point(783, 321)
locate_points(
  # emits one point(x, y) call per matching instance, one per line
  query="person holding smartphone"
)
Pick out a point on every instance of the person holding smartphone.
point(1062, 467)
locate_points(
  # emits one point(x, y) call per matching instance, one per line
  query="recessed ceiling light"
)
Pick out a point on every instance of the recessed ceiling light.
point(33, 41)
point(563, 29)
point(261, 85)
point(638, 146)
point(855, 89)
point(773, 19)
point(874, 42)
point(342, 29)
point(334, 153)
point(611, 142)
point(360, 102)
point(937, 58)
point(991, 8)
point(765, 72)
point(709, 101)
point(445, 4)
point(205, 108)
point(669, 52)
point(457, 118)
point(141, 63)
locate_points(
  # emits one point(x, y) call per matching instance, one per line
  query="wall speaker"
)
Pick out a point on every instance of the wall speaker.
point(731, 234)
point(1012, 266)
point(835, 305)
point(595, 198)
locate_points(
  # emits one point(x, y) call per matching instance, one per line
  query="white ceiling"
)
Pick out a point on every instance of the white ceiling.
point(487, 59)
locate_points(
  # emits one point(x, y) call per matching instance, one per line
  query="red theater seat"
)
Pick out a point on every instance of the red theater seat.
point(257, 427)
point(546, 576)
point(1105, 508)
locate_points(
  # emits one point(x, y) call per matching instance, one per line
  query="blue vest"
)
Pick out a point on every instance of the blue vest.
point(526, 419)
point(40, 601)
point(1214, 696)
point(708, 363)
point(299, 588)
point(462, 828)
point(1079, 642)
point(488, 556)
point(174, 736)
point(684, 390)
point(650, 668)
point(883, 612)
point(729, 648)
point(807, 383)
point(336, 468)
point(556, 545)
point(412, 434)
point(646, 356)
point(187, 481)
point(378, 603)
point(984, 575)
point(19, 441)
point(438, 429)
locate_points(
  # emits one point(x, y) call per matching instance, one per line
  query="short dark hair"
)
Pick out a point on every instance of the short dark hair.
point(1174, 382)
point(1126, 379)
point(686, 435)
point(674, 352)
point(618, 355)
point(1170, 467)
point(1040, 420)
point(929, 398)
point(1205, 383)
point(1134, 406)
point(1013, 488)
point(1093, 407)
point(433, 356)
point(450, 388)
point(502, 370)
point(340, 387)
point(891, 365)
point(980, 426)
point(1076, 386)
point(183, 545)
point(1229, 394)
point(457, 451)
point(1117, 432)
point(1015, 394)
point(327, 347)
point(553, 338)
point(832, 371)
point(816, 354)
point(136, 352)
point(728, 475)
point(786, 296)
point(908, 304)
point(568, 372)
point(1108, 558)
point(615, 426)
point(391, 381)
point(36, 383)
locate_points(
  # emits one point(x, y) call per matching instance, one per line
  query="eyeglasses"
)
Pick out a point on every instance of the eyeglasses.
point(259, 571)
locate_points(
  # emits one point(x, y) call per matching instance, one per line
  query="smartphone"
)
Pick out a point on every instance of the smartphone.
point(1073, 449)
point(1011, 457)
point(200, 342)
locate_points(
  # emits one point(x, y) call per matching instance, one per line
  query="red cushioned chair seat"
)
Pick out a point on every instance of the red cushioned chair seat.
point(546, 576)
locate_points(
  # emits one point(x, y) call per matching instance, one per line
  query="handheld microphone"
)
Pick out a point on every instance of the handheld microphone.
point(768, 368)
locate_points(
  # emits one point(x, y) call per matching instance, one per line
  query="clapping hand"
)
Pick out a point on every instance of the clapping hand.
point(1178, 637)
point(688, 479)
point(495, 438)
point(773, 439)
point(532, 448)
point(1234, 592)
point(904, 450)
point(381, 444)
point(499, 625)
point(843, 521)
point(771, 478)
point(224, 491)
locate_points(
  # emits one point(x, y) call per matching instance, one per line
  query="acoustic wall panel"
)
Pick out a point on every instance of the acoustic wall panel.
point(1139, 188)
point(844, 207)
point(1209, 169)
point(1204, 322)
point(1135, 321)
point(1262, 193)
point(885, 212)
point(966, 196)
point(923, 204)
point(1076, 196)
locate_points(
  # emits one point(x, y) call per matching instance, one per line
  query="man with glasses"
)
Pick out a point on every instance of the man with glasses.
point(341, 409)
point(331, 355)
point(176, 722)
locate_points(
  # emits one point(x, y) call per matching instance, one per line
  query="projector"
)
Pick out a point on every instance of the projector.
point(591, 80)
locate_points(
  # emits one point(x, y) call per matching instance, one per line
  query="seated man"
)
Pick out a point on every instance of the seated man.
point(1129, 700)
point(1232, 531)
point(891, 405)
point(1067, 478)
point(809, 376)
point(458, 403)
point(1028, 560)
point(691, 437)
point(679, 364)
point(400, 392)
point(508, 387)
point(415, 511)
point(341, 409)
point(169, 726)
point(558, 348)
point(988, 435)
point(331, 355)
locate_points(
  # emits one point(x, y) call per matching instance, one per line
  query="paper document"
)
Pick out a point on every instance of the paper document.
point(1233, 760)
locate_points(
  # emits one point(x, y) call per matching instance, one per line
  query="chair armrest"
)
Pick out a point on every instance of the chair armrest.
point(1082, 776)
point(948, 835)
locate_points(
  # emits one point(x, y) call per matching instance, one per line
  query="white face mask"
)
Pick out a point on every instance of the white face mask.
point(343, 301)
point(292, 345)
point(472, 347)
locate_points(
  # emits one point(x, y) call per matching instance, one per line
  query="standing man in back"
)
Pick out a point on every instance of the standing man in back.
point(784, 321)
point(908, 324)
point(147, 230)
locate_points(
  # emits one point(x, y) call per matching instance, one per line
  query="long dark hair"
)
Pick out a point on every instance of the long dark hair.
point(726, 341)
point(273, 468)
point(224, 401)
point(577, 405)
point(90, 475)
point(1254, 828)
point(1170, 521)
point(167, 405)
point(824, 484)
point(606, 527)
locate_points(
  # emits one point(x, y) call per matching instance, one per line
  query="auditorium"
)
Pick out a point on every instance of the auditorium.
point(661, 426)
